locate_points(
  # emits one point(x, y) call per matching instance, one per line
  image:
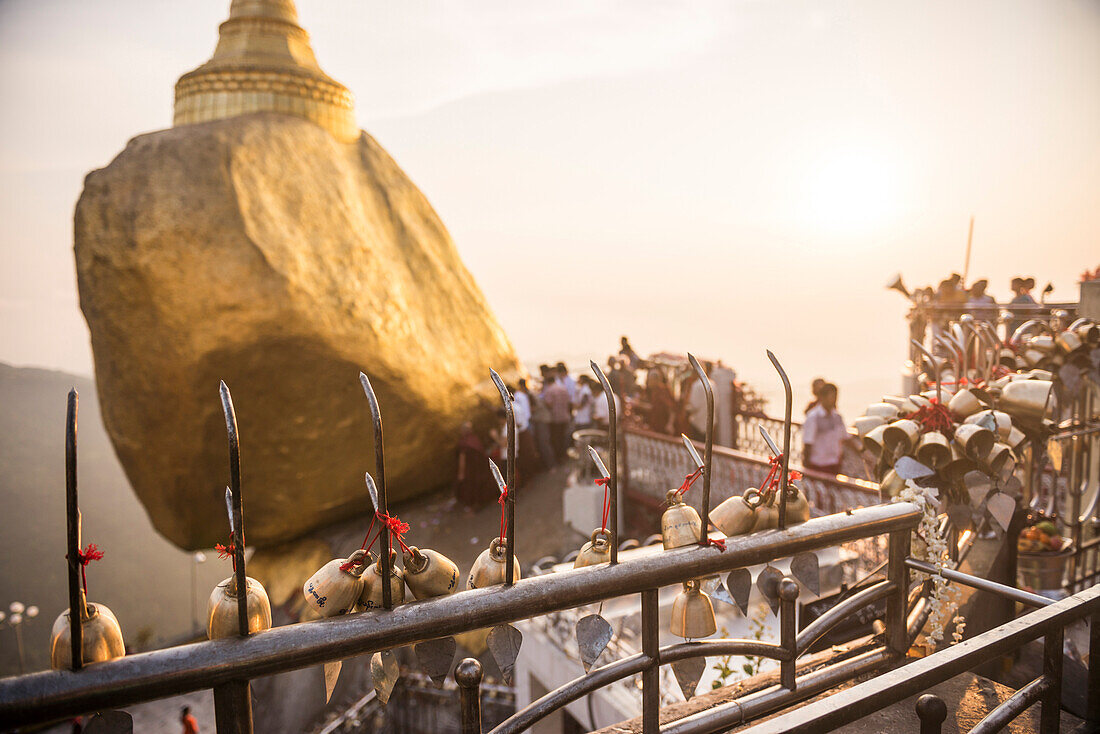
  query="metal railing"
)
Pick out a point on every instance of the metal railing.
point(890, 688)
point(227, 665)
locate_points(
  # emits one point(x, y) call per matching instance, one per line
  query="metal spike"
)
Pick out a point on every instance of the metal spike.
point(739, 583)
point(691, 450)
point(768, 584)
point(600, 466)
point(332, 674)
point(769, 440)
point(497, 476)
point(593, 634)
point(805, 568)
point(384, 672)
point(372, 489)
point(436, 657)
point(688, 672)
point(504, 642)
point(1002, 508)
point(229, 508)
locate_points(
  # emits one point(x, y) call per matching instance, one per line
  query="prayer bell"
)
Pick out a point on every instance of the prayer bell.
point(429, 573)
point(680, 524)
point(974, 440)
point(102, 637)
point(963, 404)
point(933, 450)
point(905, 406)
point(1069, 341)
point(490, 567)
point(221, 611)
point(332, 590)
point(692, 613)
point(890, 486)
point(734, 516)
point(1000, 459)
point(798, 507)
point(872, 442)
point(767, 518)
point(596, 550)
point(865, 424)
point(370, 597)
point(901, 435)
point(886, 411)
point(1027, 398)
point(1003, 421)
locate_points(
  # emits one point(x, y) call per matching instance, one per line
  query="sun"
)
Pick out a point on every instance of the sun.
point(851, 188)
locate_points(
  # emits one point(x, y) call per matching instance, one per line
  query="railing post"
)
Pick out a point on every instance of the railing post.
point(1092, 715)
point(233, 707)
point(897, 636)
point(1050, 717)
point(651, 676)
point(788, 594)
point(932, 712)
point(468, 678)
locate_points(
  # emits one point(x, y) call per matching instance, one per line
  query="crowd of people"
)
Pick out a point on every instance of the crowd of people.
point(975, 299)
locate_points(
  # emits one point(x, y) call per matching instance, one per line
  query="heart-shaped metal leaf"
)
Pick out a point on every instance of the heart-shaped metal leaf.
point(960, 515)
point(722, 595)
point(593, 634)
point(805, 568)
point(739, 583)
point(909, 468)
point(332, 674)
point(384, 673)
point(110, 722)
point(768, 583)
point(1001, 507)
point(435, 657)
point(688, 672)
point(504, 642)
point(978, 486)
point(1013, 487)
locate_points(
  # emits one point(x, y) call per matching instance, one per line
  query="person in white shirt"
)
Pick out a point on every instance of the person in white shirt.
point(824, 433)
point(567, 380)
point(582, 404)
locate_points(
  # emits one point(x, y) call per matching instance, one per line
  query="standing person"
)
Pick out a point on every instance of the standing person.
point(473, 468)
point(628, 355)
point(582, 405)
point(824, 433)
point(981, 304)
point(600, 417)
point(527, 459)
point(661, 404)
point(540, 426)
point(567, 380)
point(815, 389)
point(1021, 303)
point(190, 725)
point(557, 400)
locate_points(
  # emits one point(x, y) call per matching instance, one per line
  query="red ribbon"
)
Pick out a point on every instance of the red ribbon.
point(605, 482)
point(689, 480)
point(502, 501)
point(718, 543)
point(392, 524)
point(84, 557)
point(933, 417)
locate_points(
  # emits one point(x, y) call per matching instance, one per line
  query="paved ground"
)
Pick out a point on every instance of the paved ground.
point(163, 716)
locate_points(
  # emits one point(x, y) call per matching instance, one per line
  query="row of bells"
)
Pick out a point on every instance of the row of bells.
point(354, 584)
point(1052, 350)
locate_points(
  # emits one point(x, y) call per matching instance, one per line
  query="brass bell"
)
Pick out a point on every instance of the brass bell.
point(890, 486)
point(429, 573)
point(920, 401)
point(798, 507)
point(490, 567)
point(974, 440)
point(221, 611)
point(1069, 341)
point(692, 613)
point(1000, 458)
point(1027, 398)
point(933, 450)
point(332, 590)
point(959, 465)
point(1015, 437)
point(866, 423)
point(597, 550)
point(963, 404)
point(886, 411)
point(370, 597)
point(1003, 421)
point(680, 523)
point(905, 406)
point(901, 435)
point(872, 442)
point(101, 637)
point(767, 518)
point(734, 516)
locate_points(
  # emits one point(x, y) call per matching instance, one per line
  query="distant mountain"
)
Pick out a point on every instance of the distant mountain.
point(143, 578)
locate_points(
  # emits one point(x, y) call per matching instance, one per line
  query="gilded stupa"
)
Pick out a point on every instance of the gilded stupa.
point(264, 63)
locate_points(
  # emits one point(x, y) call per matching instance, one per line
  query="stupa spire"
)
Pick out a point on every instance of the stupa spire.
point(264, 63)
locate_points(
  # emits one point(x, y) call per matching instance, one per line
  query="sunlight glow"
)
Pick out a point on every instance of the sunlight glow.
point(852, 188)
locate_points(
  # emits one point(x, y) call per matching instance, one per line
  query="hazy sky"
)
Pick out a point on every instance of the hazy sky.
point(714, 176)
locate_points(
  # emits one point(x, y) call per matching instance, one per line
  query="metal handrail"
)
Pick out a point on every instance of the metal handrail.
point(884, 690)
point(135, 678)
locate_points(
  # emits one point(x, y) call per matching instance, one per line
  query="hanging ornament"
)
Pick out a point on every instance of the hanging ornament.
point(593, 634)
point(221, 611)
point(692, 613)
point(429, 573)
point(335, 588)
point(490, 568)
